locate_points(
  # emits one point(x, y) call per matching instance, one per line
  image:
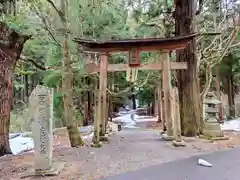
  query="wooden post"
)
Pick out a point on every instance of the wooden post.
point(176, 115)
point(103, 92)
point(110, 108)
point(167, 92)
point(111, 86)
point(107, 111)
point(96, 114)
point(160, 101)
point(159, 92)
point(154, 102)
point(163, 112)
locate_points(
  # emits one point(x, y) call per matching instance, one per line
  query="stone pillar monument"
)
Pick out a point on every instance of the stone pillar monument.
point(41, 113)
point(42, 127)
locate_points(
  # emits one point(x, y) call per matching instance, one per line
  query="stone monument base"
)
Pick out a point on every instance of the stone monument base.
point(214, 138)
point(54, 171)
point(213, 133)
point(212, 130)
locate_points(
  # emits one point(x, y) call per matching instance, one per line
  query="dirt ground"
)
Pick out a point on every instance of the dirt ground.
point(126, 150)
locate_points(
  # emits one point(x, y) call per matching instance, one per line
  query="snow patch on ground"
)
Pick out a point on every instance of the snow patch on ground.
point(129, 119)
point(232, 125)
point(20, 144)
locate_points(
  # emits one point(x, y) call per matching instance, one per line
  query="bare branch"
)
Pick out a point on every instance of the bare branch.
point(209, 78)
point(232, 38)
point(60, 13)
point(212, 63)
point(200, 6)
point(55, 7)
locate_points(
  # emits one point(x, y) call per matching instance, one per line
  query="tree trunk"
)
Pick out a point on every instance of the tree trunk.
point(90, 103)
point(67, 81)
point(110, 109)
point(133, 97)
point(26, 85)
point(230, 94)
point(188, 80)
point(149, 109)
point(11, 44)
point(218, 91)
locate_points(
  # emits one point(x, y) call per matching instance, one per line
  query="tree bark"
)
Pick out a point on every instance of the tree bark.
point(11, 45)
point(90, 103)
point(133, 97)
point(189, 93)
point(218, 90)
point(230, 94)
point(67, 81)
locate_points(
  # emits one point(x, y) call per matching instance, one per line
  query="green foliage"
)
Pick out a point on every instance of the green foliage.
point(52, 78)
point(145, 95)
point(15, 23)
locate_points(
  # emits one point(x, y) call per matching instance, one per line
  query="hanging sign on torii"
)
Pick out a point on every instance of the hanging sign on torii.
point(134, 57)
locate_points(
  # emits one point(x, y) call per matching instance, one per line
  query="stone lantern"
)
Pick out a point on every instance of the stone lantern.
point(212, 127)
point(211, 109)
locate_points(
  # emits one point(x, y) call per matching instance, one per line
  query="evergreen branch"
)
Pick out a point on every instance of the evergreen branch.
point(51, 35)
point(45, 25)
point(27, 59)
point(41, 67)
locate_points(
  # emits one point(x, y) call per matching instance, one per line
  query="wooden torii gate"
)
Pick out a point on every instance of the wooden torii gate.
point(134, 47)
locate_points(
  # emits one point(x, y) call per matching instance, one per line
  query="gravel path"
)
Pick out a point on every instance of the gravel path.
point(128, 150)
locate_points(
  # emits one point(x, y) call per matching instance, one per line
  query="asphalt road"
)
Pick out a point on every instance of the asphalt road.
point(226, 166)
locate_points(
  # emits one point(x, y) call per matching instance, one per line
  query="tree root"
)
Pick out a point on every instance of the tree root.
point(167, 138)
point(97, 144)
point(103, 138)
point(75, 137)
point(178, 143)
